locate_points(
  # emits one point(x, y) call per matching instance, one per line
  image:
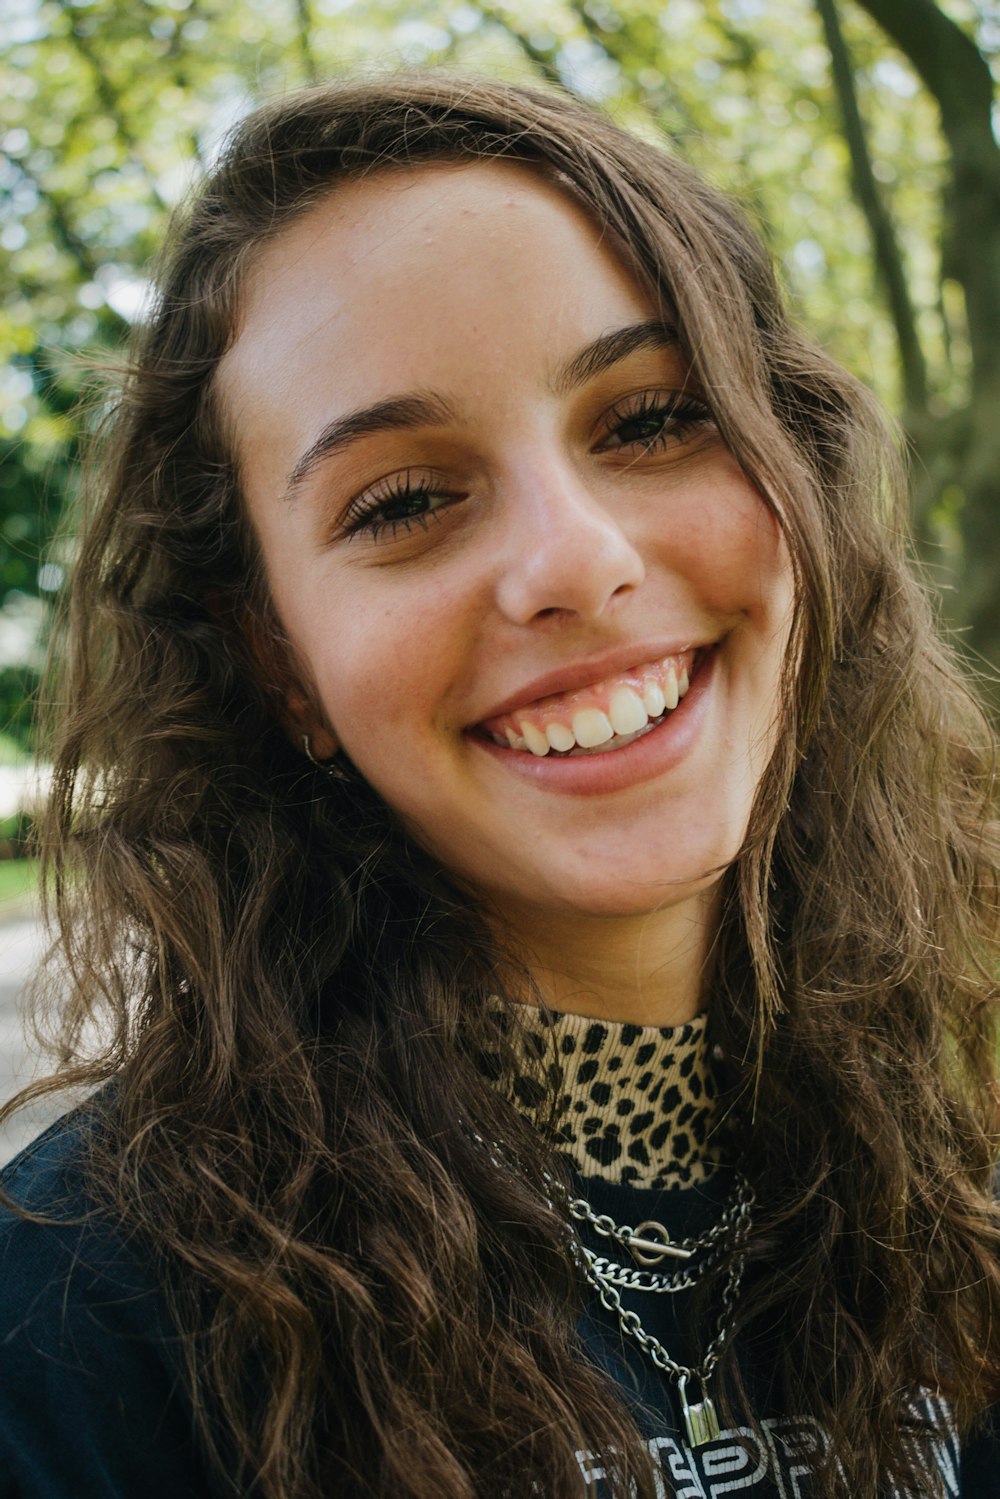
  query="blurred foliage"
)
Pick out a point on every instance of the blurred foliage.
point(109, 110)
point(18, 684)
point(16, 820)
point(18, 888)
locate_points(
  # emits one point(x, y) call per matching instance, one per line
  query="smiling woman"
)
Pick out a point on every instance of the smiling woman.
point(535, 856)
point(523, 484)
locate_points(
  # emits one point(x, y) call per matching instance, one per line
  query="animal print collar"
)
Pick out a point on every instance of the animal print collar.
point(634, 1103)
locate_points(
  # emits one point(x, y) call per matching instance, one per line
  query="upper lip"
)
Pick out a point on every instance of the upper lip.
point(586, 673)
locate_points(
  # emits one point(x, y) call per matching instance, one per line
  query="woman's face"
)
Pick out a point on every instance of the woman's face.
point(503, 534)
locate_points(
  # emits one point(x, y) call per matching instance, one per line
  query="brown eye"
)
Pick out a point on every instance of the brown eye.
point(653, 421)
point(400, 503)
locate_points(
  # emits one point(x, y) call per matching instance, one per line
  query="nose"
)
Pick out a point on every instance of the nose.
point(565, 551)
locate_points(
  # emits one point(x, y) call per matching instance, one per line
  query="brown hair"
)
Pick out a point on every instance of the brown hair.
point(371, 1304)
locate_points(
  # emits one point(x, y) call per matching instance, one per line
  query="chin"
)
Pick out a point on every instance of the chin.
point(622, 896)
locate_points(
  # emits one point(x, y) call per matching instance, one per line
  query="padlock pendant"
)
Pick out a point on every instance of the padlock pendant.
point(700, 1421)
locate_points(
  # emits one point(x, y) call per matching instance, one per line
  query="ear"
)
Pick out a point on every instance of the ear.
point(295, 708)
point(301, 721)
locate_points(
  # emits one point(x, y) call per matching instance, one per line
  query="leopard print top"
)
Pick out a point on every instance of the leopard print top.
point(635, 1104)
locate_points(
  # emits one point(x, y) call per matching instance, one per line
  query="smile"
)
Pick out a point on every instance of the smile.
point(600, 718)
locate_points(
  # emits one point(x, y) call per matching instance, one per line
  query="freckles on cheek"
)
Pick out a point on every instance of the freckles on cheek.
point(751, 553)
point(389, 667)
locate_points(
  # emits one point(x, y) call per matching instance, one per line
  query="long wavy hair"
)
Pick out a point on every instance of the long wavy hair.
point(292, 997)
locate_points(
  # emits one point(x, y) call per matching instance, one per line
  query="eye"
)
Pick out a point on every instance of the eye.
point(400, 502)
point(654, 420)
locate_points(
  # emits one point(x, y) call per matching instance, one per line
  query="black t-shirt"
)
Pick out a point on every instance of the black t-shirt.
point(736, 1462)
point(92, 1394)
point(92, 1402)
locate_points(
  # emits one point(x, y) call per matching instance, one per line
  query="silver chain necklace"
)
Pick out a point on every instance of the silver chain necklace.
point(608, 1279)
point(649, 1251)
point(727, 1234)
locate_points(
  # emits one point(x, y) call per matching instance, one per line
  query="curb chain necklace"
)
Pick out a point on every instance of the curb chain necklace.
point(714, 1241)
point(649, 1243)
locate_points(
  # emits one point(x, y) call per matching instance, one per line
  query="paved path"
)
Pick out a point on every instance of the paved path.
point(21, 943)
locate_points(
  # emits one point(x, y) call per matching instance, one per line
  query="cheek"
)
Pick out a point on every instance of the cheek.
point(382, 665)
point(731, 545)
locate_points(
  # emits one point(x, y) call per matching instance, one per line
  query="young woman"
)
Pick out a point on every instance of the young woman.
point(528, 853)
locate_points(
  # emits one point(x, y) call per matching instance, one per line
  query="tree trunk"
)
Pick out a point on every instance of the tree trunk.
point(888, 257)
point(958, 77)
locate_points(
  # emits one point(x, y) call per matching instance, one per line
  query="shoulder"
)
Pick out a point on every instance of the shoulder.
point(46, 1177)
point(91, 1369)
point(69, 1249)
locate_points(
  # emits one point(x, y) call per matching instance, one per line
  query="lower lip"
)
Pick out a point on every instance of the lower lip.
point(647, 757)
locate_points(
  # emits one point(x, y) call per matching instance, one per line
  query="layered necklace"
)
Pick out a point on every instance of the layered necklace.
point(612, 1074)
point(649, 1243)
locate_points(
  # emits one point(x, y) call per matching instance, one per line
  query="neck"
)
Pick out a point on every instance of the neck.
point(648, 969)
point(629, 1103)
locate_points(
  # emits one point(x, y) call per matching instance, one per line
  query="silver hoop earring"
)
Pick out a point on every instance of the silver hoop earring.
point(329, 767)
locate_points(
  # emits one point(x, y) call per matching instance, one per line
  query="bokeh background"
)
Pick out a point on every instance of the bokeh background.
point(863, 135)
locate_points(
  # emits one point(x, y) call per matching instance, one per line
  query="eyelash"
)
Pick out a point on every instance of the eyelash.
point(370, 511)
point(677, 413)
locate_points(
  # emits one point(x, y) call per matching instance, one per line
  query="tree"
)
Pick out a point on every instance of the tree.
point(962, 450)
point(857, 130)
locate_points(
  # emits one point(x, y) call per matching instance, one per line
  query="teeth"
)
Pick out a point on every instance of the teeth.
point(629, 712)
point(591, 727)
point(534, 739)
point(653, 699)
point(626, 711)
point(559, 736)
point(619, 742)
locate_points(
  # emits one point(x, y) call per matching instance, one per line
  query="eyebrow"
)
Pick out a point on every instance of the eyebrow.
point(425, 409)
point(395, 414)
point(609, 349)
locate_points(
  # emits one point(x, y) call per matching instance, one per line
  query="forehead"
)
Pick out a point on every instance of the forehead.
point(370, 226)
point(381, 267)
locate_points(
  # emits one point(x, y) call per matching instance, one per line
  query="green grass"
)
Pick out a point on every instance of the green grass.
point(18, 881)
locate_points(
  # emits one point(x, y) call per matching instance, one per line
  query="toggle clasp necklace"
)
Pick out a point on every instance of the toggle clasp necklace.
point(649, 1243)
point(649, 1251)
point(727, 1236)
point(645, 1250)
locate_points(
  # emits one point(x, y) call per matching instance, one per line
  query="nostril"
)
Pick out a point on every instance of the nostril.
point(562, 577)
